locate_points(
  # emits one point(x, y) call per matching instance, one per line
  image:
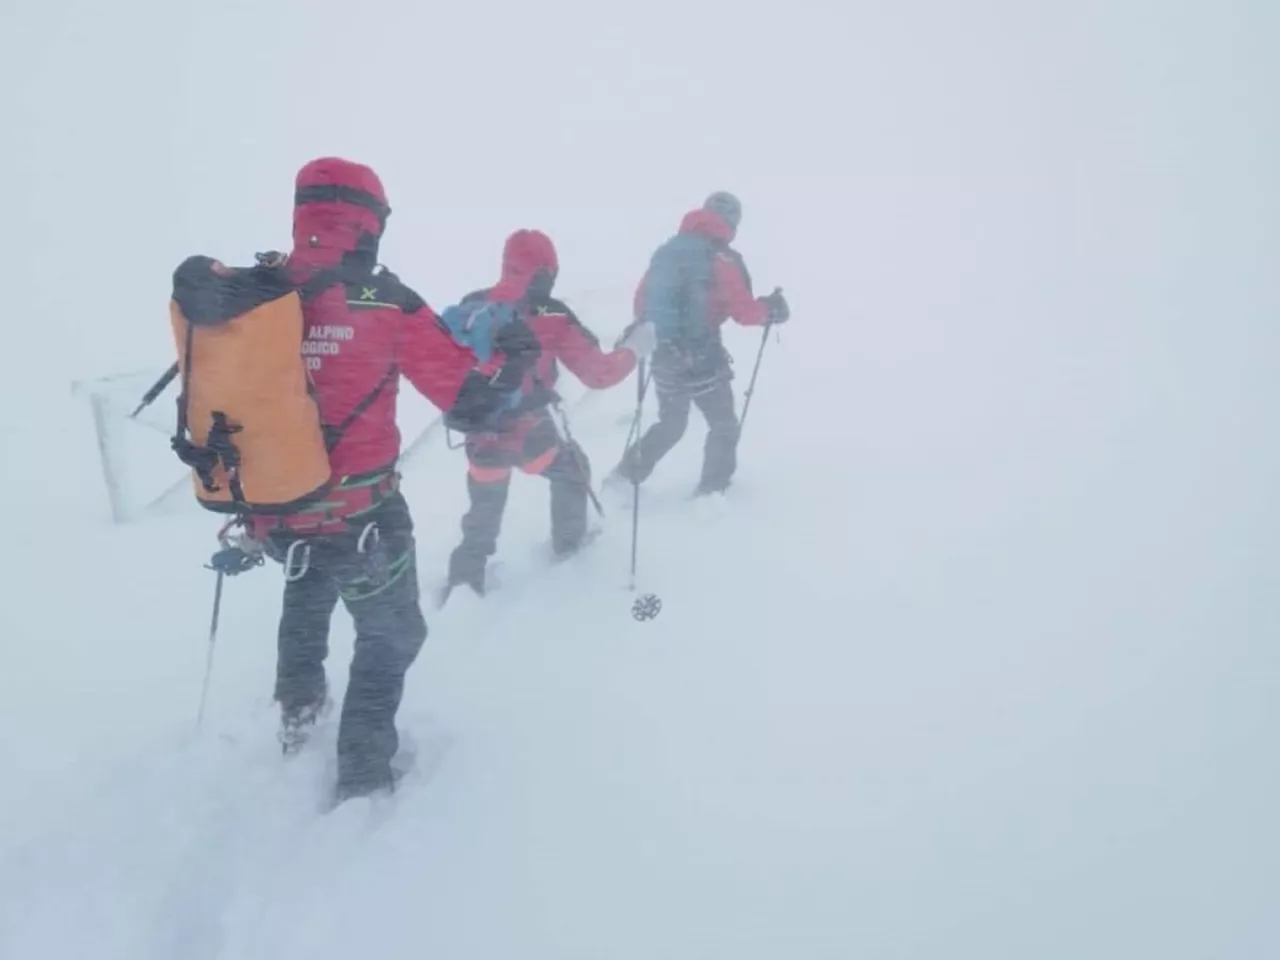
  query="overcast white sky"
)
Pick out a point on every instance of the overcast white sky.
point(1022, 170)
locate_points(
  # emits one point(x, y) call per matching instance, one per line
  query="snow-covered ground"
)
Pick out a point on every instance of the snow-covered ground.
point(978, 658)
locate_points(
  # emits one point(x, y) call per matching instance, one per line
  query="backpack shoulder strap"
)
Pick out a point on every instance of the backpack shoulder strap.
point(312, 288)
point(333, 434)
point(398, 293)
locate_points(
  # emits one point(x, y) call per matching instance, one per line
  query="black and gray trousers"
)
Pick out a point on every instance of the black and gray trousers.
point(377, 581)
point(534, 447)
point(680, 385)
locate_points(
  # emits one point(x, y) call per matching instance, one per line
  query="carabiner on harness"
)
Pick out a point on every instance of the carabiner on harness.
point(369, 533)
point(377, 565)
point(290, 575)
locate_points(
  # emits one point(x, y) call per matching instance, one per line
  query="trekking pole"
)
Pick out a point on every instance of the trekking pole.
point(751, 387)
point(213, 638)
point(238, 554)
point(157, 388)
point(641, 384)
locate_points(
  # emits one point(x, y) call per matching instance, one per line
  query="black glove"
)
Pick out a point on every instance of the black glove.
point(475, 405)
point(521, 346)
point(779, 310)
point(272, 258)
point(482, 397)
point(233, 560)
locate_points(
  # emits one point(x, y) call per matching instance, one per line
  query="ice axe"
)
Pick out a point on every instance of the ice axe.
point(156, 389)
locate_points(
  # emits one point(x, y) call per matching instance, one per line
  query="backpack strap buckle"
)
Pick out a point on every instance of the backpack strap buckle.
point(218, 449)
point(200, 459)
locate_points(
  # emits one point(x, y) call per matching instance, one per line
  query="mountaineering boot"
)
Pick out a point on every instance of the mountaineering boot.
point(480, 527)
point(705, 488)
point(467, 568)
point(346, 790)
point(720, 452)
point(570, 477)
point(382, 783)
point(616, 487)
point(619, 479)
point(296, 722)
point(561, 551)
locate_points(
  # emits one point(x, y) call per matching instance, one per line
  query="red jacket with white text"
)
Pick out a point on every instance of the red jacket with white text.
point(364, 328)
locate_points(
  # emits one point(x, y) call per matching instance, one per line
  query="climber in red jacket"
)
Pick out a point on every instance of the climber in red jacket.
point(364, 329)
point(527, 437)
point(695, 282)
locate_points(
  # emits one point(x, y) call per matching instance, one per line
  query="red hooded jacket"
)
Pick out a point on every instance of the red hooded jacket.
point(732, 295)
point(529, 268)
point(364, 328)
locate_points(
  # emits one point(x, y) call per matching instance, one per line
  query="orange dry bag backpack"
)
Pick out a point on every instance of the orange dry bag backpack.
point(248, 426)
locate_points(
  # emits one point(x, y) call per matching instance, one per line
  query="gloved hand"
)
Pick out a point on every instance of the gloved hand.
point(241, 550)
point(640, 339)
point(521, 346)
point(235, 559)
point(271, 258)
point(779, 310)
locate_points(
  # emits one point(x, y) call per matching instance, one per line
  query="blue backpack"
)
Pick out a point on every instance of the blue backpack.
point(475, 323)
point(677, 290)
